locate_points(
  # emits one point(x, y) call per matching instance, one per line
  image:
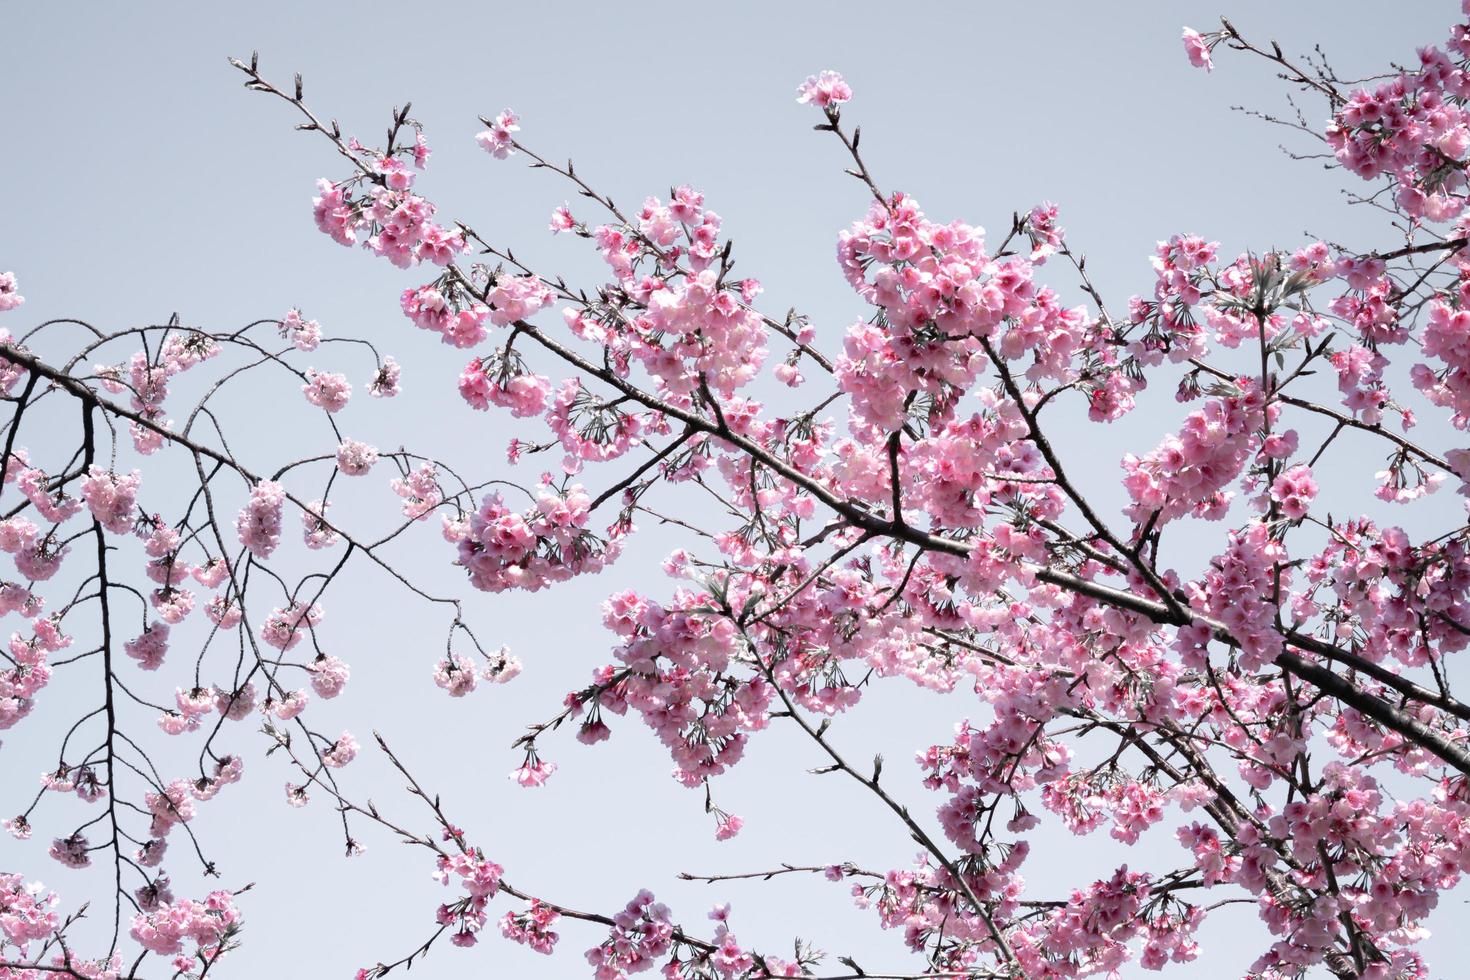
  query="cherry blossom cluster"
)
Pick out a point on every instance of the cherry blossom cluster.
point(166, 926)
point(640, 935)
point(504, 549)
point(1414, 128)
point(532, 927)
point(392, 221)
point(480, 880)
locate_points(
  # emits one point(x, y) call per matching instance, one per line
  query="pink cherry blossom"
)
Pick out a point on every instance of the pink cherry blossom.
point(305, 335)
point(498, 139)
point(326, 391)
point(1198, 50)
point(259, 524)
point(10, 298)
point(824, 90)
point(355, 458)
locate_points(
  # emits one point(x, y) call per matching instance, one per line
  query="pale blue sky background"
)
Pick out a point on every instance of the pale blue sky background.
point(141, 179)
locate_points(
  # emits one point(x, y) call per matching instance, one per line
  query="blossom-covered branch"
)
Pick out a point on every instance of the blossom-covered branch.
point(918, 518)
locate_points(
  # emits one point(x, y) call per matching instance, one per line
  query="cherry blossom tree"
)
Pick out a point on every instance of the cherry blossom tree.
point(894, 507)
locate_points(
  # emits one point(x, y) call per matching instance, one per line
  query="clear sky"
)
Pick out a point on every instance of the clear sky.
point(143, 180)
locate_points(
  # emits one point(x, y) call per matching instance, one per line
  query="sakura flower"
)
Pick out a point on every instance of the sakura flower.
point(305, 335)
point(1198, 50)
point(71, 851)
point(1294, 490)
point(342, 751)
point(384, 382)
point(355, 458)
point(533, 772)
point(456, 674)
point(327, 391)
point(259, 524)
point(824, 90)
point(112, 498)
point(728, 825)
point(562, 220)
point(499, 138)
point(10, 298)
point(316, 532)
point(328, 675)
point(502, 668)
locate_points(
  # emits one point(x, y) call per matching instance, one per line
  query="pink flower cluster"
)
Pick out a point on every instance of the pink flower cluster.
point(259, 523)
point(1447, 338)
point(640, 935)
point(316, 532)
point(304, 335)
point(683, 322)
point(532, 927)
point(397, 223)
point(480, 879)
point(944, 298)
point(534, 771)
point(385, 381)
point(27, 912)
point(327, 391)
point(420, 492)
point(71, 851)
point(1294, 490)
point(437, 309)
point(1182, 273)
point(329, 675)
point(1360, 379)
point(283, 628)
point(1415, 128)
point(149, 647)
point(1238, 588)
point(456, 673)
point(355, 458)
point(209, 925)
point(1093, 929)
point(1187, 474)
point(10, 297)
point(28, 672)
point(679, 658)
point(496, 380)
point(515, 298)
point(112, 498)
point(502, 549)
